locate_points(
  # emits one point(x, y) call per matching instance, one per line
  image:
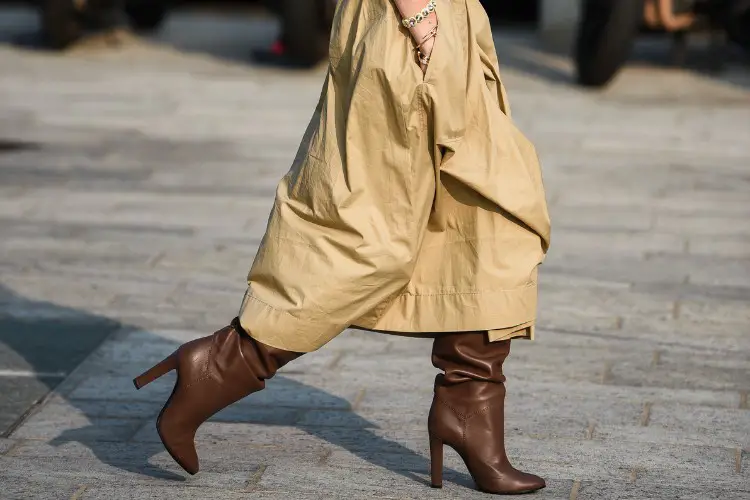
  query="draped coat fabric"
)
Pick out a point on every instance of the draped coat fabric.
point(414, 205)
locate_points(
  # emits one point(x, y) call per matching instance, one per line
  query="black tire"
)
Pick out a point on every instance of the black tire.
point(606, 35)
point(738, 23)
point(146, 15)
point(61, 23)
point(306, 25)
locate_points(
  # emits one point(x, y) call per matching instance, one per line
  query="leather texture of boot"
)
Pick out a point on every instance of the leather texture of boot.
point(468, 413)
point(212, 373)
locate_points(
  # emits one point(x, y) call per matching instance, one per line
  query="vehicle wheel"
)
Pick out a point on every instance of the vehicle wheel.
point(606, 34)
point(61, 22)
point(306, 25)
point(146, 16)
point(738, 23)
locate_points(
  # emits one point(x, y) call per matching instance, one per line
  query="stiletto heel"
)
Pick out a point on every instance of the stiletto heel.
point(164, 367)
point(436, 462)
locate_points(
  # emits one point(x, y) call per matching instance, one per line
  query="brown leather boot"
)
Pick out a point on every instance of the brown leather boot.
point(467, 413)
point(212, 373)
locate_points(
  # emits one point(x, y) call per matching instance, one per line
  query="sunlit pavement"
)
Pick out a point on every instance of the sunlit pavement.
point(135, 183)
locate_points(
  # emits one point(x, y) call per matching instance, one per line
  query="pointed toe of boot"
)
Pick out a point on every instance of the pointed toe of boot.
point(513, 484)
point(212, 373)
point(528, 483)
point(180, 447)
point(539, 484)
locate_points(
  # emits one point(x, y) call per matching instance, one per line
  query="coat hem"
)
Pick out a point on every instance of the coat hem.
point(504, 314)
point(525, 331)
point(504, 311)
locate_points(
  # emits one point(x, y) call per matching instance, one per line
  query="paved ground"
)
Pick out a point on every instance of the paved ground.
point(134, 188)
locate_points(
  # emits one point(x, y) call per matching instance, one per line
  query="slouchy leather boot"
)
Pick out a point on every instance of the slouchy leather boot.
point(212, 373)
point(467, 413)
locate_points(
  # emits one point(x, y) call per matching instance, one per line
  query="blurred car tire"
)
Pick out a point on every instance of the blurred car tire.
point(62, 23)
point(306, 28)
point(738, 23)
point(146, 15)
point(606, 34)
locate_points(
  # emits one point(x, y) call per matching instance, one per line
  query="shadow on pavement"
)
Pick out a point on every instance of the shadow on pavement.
point(727, 63)
point(523, 52)
point(50, 341)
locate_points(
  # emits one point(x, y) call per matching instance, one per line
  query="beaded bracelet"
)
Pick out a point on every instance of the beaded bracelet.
point(410, 22)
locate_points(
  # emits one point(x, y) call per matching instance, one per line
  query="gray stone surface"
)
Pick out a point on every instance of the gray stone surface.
point(39, 487)
point(644, 487)
point(6, 445)
point(379, 483)
point(170, 492)
point(37, 355)
point(135, 185)
point(116, 472)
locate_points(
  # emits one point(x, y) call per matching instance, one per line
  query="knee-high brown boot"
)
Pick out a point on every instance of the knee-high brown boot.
point(467, 412)
point(212, 373)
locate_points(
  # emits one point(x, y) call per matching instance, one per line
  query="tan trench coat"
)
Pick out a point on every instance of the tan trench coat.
point(414, 205)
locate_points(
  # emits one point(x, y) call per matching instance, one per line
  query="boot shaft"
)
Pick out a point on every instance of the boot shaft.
point(470, 356)
point(468, 411)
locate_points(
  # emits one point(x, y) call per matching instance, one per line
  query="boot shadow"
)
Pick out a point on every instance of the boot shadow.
point(48, 342)
point(289, 403)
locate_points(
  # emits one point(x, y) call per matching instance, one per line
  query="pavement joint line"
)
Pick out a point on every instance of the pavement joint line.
point(336, 360)
point(633, 475)
point(77, 494)
point(155, 260)
point(70, 382)
point(619, 323)
point(656, 359)
point(10, 451)
point(358, 399)
point(247, 226)
point(299, 414)
point(738, 460)
point(31, 410)
point(590, 431)
point(744, 400)
point(179, 289)
point(646, 415)
point(325, 456)
point(116, 301)
point(575, 490)
point(606, 373)
point(676, 309)
point(255, 477)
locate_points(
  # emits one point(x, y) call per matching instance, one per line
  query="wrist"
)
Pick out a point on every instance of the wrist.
point(419, 31)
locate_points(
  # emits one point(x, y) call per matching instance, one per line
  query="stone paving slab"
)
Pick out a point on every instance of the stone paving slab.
point(646, 488)
point(135, 185)
point(93, 471)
